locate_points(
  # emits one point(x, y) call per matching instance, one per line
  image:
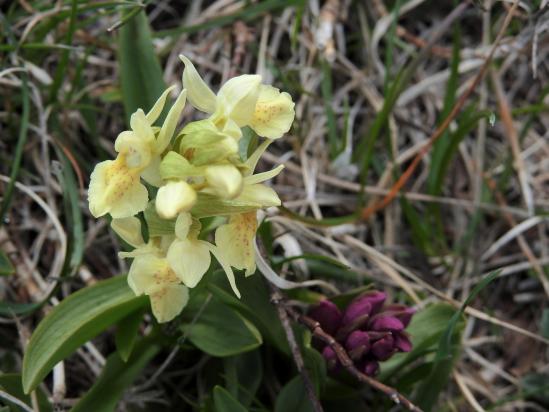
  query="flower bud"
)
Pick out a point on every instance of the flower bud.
point(328, 315)
point(173, 198)
point(357, 344)
point(402, 342)
point(364, 306)
point(386, 323)
point(225, 180)
point(330, 357)
point(384, 348)
point(370, 367)
point(401, 312)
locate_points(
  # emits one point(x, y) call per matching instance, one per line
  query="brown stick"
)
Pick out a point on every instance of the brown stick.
point(345, 360)
point(369, 211)
point(276, 299)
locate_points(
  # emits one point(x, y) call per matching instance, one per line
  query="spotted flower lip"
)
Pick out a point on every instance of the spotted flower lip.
point(370, 331)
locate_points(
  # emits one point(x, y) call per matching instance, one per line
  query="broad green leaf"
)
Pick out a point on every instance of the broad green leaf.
point(254, 305)
point(224, 402)
point(126, 333)
point(221, 331)
point(73, 322)
point(11, 383)
point(141, 76)
point(293, 397)
point(6, 267)
point(116, 376)
point(243, 375)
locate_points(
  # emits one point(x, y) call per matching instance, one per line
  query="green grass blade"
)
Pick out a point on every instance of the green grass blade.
point(22, 139)
point(141, 76)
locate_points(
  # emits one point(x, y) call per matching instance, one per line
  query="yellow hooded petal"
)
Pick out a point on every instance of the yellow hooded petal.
point(198, 93)
point(136, 150)
point(116, 189)
point(183, 225)
point(168, 302)
point(237, 98)
point(141, 127)
point(235, 240)
point(226, 267)
point(173, 198)
point(129, 229)
point(225, 180)
point(273, 114)
point(261, 177)
point(190, 259)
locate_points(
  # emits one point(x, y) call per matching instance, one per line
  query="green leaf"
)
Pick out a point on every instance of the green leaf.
point(544, 324)
point(254, 305)
point(141, 76)
point(221, 331)
point(6, 267)
point(116, 376)
point(73, 322)
point(293, 397)
point(243, 375)
point(155, 224)
point(11, 383)
point(10, 309)
point(126, 333)
point(224, 402)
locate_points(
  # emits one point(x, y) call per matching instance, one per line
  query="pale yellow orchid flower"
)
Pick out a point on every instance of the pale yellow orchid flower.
point(242, 100)
point(189, 257)
point(236, 239)
point(150, 272)
point(115, 185)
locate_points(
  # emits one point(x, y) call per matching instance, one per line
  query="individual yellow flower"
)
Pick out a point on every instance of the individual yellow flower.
point(236, 239)
point(115, 185)
point(150, 272)
point(242, 100)
point(189, 256)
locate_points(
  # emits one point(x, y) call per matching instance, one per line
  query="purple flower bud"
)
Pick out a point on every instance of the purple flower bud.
point(357, 344)
point(330, 357)
point(402, 342)
point(370, 367)
point(328, 315)
point(401, 312)
point(384, 348)
point(389, 323)
point(364, 306)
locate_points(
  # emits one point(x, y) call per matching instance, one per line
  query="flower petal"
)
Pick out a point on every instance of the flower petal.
point(174, 197)
point(149, 274)
point(154, 113)
point(237, 98)
point(141, 127)
point(167, 303)
point(129, 229)
point(260, 194)
point(261, 177)
point(168, 128)
point(225, 180)
point(235, 241)
point(151, 174)
point(183, 225)
point(274, 113)
point(198, 93)
point(190, 259)
point(226, 267)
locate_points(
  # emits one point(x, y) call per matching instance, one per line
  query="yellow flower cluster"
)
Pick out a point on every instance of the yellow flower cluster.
point(198, 172)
